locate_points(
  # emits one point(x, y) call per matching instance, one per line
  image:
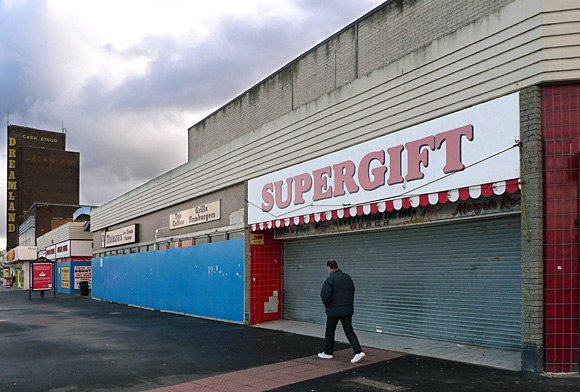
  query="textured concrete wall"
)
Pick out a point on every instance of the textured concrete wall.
point(393, 31)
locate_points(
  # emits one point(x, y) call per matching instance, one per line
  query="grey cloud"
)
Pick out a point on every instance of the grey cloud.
point(236, 55)
point(137, 130)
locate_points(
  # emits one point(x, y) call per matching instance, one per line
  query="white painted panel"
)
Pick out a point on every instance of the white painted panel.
point(81, 248)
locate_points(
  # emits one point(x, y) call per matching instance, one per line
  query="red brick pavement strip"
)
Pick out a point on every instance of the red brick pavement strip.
point(277, 375)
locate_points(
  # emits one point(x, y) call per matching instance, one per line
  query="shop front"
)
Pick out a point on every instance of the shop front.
point(70, 247)
point(426, 221)
point(18, 260)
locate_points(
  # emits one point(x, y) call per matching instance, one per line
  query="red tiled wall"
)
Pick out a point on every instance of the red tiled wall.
point(266, 277)
point(561, 125)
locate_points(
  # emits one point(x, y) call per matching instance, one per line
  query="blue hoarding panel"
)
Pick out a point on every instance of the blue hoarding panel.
point(65, 281)
point(202, 280)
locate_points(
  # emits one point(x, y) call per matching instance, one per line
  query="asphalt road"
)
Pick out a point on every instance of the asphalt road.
point(73, 344)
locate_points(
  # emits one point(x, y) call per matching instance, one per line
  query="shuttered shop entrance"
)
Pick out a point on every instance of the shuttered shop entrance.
point(458, 282)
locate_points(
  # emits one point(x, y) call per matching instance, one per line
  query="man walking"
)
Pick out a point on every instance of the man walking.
point(338, 297)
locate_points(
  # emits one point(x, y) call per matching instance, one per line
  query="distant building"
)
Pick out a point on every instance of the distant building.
point(39, 169)
point(42, 218)
point(71, 247)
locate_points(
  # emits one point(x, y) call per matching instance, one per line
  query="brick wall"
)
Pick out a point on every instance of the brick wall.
point(532, 229)
point(394, 30)
point(261, 104)
point(560, 126)
point(329, 66)
point(402, 27)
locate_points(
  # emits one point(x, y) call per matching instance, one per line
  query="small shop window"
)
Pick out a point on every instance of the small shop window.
point(217, 237)
point(187, 242)
point(235, 235)
point(201, 240)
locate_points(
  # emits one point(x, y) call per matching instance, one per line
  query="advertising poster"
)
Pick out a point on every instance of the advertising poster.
point(82, 274)
point(65, 277)
point(41, 276)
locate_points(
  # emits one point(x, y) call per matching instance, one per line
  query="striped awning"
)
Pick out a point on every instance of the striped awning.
point(472, 192)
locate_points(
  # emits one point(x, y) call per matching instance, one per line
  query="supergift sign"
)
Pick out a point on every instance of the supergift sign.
point(471, 147)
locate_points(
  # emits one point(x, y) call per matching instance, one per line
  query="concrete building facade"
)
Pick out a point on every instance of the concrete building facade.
point(303, 167)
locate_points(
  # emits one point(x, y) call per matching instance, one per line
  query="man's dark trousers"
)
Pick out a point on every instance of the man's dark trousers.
point(331, 323)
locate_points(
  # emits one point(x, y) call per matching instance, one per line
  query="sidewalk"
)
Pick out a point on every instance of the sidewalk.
point(74, 344)
point(501, 359)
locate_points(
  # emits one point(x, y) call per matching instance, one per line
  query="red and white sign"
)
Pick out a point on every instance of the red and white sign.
point(466, 149)
point(63, 250)
point(51, 252)
point(42, 276)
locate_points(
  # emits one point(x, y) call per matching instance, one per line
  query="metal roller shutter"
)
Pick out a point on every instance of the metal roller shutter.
point(457, 282)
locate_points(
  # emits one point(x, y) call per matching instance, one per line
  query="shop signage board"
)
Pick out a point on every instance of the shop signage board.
point(21, 253)
point(63, 250)
point(51, 252)
point(257, 239)
point(200, 214)
point(125, 235)
point(484, 206)
point(474, 146)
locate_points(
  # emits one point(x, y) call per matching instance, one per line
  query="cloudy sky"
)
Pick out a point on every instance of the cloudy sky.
point(127, 78)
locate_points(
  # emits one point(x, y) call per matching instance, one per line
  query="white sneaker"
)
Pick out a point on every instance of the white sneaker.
point(357, 357)
point(324, 355)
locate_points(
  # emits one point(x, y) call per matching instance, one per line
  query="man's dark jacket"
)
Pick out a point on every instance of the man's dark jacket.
point(338, 294)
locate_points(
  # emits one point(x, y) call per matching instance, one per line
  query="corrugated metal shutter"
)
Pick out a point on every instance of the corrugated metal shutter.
point(457, 282)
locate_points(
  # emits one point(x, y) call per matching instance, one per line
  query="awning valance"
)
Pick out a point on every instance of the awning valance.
point(453, 195)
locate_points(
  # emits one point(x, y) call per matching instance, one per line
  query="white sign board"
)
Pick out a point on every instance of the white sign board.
point(471, 147)
point(63, 250)
point(124, 235)
point(201, 214)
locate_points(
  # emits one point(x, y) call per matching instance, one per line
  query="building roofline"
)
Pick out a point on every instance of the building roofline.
point(295, 60)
